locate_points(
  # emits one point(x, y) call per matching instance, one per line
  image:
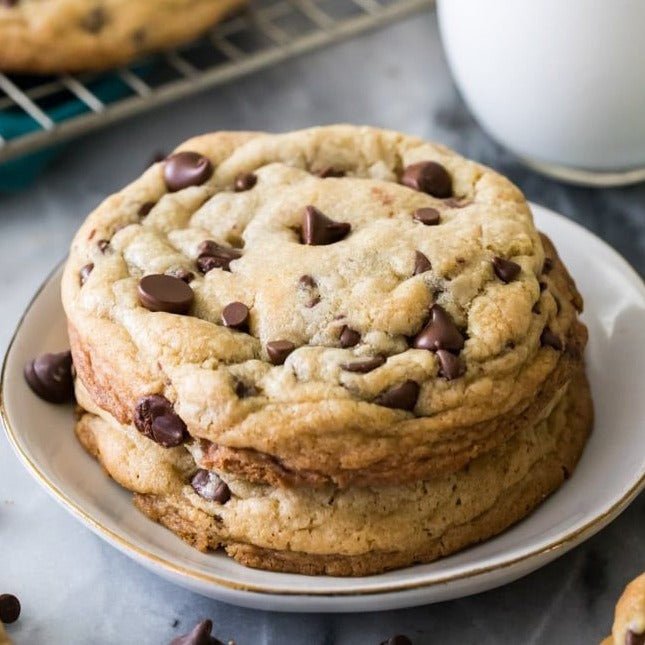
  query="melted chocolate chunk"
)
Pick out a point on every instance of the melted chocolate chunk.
point(278, 350)
point(450, 366)
point(428, 177)
point(155, 417)
point(184, 169)
point(211, 255)
point(439, 333)
point(403, 396)
point(318, 229)
point(159, 292)
point(209, 486)
point(506, 270)
point(50, 377)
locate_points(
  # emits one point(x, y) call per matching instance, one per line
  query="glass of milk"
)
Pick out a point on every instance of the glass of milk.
point(561, 83)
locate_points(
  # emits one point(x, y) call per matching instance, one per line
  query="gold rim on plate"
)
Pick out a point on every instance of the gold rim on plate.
point(563, 544)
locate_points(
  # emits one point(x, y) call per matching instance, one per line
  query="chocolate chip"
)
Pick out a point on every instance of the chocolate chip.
point(631, 638)
point(450, 366)
point(244, 390)
point(155, 417)
point(329, 171)
point(245, 181)
point(547, 266)
point(95, 20)
point(365, 365)
point(506, 270)
point(318, 229)
point(428, 177)
point(427, 216)
point(349, 337)
point(85, 271)
point(278, 350)
point(209, 486)
point(236, 315)
point(183, 274)
point(403, 397)
point(550, 339)
point(50, 377)
point(439, 333)
point(103, 244)
point(421, 263)
point(159, 292)
point(307, 281)
point(199, 635)
point(211, 255)
point(9, 608)
point(145, 208)
point(399, 639)
point(185, 169)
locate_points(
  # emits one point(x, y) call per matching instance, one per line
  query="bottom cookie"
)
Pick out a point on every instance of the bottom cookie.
point(350, 532)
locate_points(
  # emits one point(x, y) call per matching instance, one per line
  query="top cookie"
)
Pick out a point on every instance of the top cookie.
point(48, 36)
point(345, 300)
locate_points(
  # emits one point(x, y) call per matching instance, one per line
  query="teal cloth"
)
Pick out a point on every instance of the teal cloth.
point(17, 174)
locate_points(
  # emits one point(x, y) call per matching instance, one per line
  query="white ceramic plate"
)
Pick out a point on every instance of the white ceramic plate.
point(609, 476)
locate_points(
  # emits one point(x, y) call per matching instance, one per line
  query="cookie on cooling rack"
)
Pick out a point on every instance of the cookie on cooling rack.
point(50, 36)
point(337, 351)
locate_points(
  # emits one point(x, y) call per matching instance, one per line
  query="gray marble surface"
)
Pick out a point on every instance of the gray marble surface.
point(75, 588)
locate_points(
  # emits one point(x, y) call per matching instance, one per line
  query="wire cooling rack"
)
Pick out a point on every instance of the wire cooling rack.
point(37, 112)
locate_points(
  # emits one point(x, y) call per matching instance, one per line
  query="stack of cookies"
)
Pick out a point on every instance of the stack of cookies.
point(334, 351)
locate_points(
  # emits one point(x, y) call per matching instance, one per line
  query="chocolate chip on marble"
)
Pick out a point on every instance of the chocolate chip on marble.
point(318, 229)
point(209, 486)
point(403, 396)
point(329, 171)
point(159, 292)
point(450, 366)
point(199, 635)
point(245, 181)
point(236, 316)
point(349, 337)
point(632, 638)
point(399, 639)
point(278, 350)
point(428, 177)
point(439, 333)
point(103, 245)
point(95, 20)
point(427, 216)
point(547, 266)
point(421, 263)
point(506, 270)
point(84, 272)
point(155, 417)
point(50, 377)
point(365, 365)
point(551, 339)
point(9, 608)
point(211, 255)
point(184, 169)
point(183, 274)
point(145, 209)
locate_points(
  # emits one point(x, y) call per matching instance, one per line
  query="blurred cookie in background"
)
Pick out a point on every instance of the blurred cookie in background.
point(50, 36)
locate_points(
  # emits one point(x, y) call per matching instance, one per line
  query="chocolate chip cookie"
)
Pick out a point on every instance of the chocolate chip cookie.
point(48, 36)
point(344, 330)
point(629, 620)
